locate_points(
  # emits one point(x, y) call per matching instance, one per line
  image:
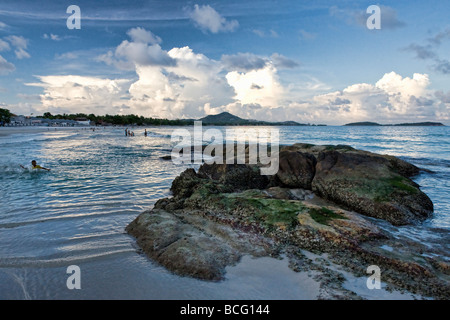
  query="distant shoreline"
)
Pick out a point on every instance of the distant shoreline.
point(6, 131)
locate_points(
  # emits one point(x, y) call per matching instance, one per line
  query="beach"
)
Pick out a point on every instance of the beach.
point(101, 180)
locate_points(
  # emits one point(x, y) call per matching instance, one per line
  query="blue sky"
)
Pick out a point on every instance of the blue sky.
point(308, 61)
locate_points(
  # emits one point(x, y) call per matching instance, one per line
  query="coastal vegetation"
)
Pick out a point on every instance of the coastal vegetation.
point(5, 116)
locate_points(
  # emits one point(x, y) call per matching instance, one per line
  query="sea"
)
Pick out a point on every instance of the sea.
point(100, 180)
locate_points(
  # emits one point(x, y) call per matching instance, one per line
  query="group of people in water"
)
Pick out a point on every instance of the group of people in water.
point(129, 133)
point(35, 166)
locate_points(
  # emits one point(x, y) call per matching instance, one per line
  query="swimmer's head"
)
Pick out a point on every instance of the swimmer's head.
point(33, 163)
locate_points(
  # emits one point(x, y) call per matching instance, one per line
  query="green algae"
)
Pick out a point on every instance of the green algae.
point(324, 215)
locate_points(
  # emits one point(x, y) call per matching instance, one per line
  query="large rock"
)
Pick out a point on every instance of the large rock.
point(372, 185)
point(226, 211)
point(238, 176)
point(192, 246)
point(296, 169)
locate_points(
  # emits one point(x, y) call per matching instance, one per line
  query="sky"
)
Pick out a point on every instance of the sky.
point(310, 61)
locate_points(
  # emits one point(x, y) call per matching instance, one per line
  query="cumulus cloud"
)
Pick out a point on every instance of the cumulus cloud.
point(143, 36)
point(142, 50)
point(390, 98)
point(174, 83)
point(143, 54)
point(88, 94)
point(192, 85)
point(209, 20)
point(259, 86)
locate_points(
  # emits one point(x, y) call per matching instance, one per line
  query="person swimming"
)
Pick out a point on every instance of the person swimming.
point(34, 165)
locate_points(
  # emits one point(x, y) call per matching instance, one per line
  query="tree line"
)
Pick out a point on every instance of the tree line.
point(123, 120)
point(120, 120)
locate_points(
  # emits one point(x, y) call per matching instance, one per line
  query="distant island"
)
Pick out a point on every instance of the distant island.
point(414, 124)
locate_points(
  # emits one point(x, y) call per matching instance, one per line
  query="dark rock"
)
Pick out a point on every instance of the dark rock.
point(371, 185)
point(296, 169)
point(184, 184)
point(226, 211)
point(191, 246)
point(238, 176)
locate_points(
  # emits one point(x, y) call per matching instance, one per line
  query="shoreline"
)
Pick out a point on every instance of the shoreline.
point(6, 131)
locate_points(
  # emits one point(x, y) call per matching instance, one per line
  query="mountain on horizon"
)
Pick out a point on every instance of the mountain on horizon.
point(224, 117)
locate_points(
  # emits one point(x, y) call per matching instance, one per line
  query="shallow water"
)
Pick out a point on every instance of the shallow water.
point(101, 180)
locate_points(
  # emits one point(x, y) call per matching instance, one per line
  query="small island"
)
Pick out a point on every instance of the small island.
point(413, 124)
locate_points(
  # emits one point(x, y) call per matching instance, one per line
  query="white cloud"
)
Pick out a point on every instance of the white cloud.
point(305, 35)
point(21, 44)
point(52, 36)
point(182, 83)
point(259, 86)
point(83, 94)
point(143, 36)
point(21, 54)
point(5, 66)
point(391, 98)
point(262, 34)
point(208, 19)
point(143, 50)
point(4, 46)
point(143, 54)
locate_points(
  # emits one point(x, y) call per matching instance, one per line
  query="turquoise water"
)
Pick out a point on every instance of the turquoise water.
point(101, 180)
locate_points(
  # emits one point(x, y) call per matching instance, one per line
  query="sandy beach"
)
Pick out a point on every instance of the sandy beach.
point(6, 131)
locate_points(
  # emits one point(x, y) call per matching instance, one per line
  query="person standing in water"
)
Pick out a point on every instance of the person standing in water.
point(145, 132)
point(34, 165)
